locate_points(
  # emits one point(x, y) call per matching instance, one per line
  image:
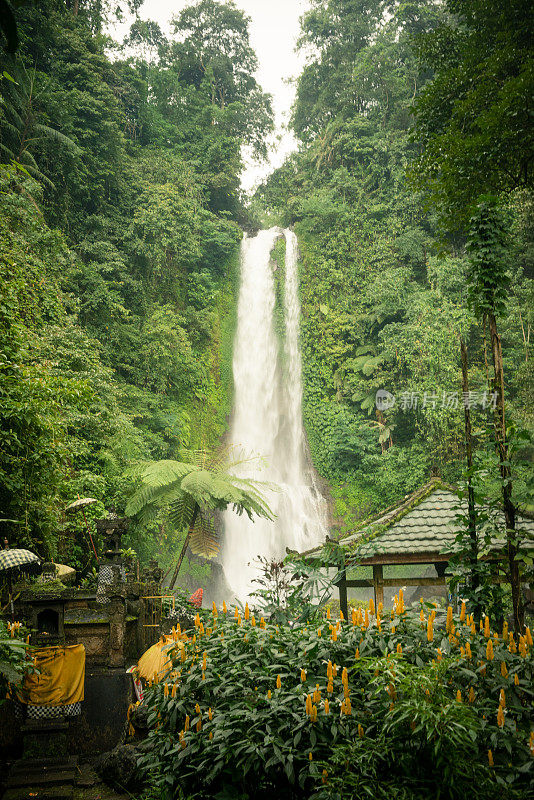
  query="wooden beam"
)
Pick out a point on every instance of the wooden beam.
point(414, 582)
point(401, 558)
point(378, 579)
point(360, 584)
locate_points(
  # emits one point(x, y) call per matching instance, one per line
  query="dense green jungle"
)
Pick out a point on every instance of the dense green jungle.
point(120, 224)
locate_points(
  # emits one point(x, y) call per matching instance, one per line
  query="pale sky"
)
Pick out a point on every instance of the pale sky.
point(274, 30)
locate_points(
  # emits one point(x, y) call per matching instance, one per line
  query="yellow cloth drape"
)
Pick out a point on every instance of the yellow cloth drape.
point(61, 677)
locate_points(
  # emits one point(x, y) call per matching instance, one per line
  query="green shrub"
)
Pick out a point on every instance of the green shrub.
point(234, 711)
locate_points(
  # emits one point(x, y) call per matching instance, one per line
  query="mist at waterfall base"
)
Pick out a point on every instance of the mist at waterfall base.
point(267, 419)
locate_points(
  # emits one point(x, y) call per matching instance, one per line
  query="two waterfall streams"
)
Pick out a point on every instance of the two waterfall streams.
point(267, 420)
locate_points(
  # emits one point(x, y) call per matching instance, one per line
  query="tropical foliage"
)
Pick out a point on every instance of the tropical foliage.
point(119, 227)
point(407, 704)
point(389, 106)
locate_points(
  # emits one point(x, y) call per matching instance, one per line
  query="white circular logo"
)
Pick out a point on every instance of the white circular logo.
point(384, 400)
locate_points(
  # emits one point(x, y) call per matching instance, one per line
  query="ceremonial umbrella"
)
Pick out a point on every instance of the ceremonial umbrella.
point(19, 558)
point(155, 661)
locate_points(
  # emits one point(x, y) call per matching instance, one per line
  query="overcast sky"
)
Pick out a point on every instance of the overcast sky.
point(274, 29)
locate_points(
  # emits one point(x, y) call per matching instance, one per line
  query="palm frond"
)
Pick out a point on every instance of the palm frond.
point(181, 511)
point(204, 540)
point(47, 132)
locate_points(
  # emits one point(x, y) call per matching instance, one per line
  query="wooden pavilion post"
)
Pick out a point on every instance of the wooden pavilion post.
point(378, 582)
point(342, 586)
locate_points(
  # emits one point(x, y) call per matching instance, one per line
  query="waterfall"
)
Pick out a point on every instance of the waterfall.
point(267, 419)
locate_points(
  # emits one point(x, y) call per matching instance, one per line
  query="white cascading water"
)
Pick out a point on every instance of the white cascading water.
point(267, 422)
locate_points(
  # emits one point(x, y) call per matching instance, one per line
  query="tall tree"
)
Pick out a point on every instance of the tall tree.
point(474, 120)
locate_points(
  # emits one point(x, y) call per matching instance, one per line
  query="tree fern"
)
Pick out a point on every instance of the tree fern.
point(189, 491)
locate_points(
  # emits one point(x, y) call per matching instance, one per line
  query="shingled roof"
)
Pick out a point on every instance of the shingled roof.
point(424, 524)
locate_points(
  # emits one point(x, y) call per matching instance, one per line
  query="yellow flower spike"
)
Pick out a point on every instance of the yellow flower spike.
point(458, 696)
point(471, 696)
point(210, 714)
point(345, 677)
point(253, 621)
point(210, 735)
point(468, 649)
point(366, 620)
point(360, 730)
point(343, 708)
point(165, 689)
point(448, 622)
point(247, 611)
point(334, 670)
point(197, 708)
point(269, 694)
point(348, 707)
point(422, 615)
point(528, 637)
point(319, 632)
point(516, 679)
point(214, 609)
point(328, 614)
point(401, 601)
point(341, 616)
point(334, 634)
point(473, 629)
point(317, 694)
point(326, 706)
point(262, 622)
point(500, 717)
point(329, 671)
point(487, 632)
point(372, 606)
point(330, 687)
point(399, 649)
point(504, 670)
point(303, 675)
point(310, 757)
point(502, 699)
point(462, 611)
point(439, 654)
point(380, 607)
point(489, 650)
point(393, 629)
point(203, 675)
point(204, 660)
point(354, 616)
point(308, 704)
point(346, 692)
point(313, 715)
point(197, 620)
point(236, 612)
point(199, 726)
point(186, 724)
point(225, 610)
point(324, 779)
point(462, 651)
point(490, 758)
point(430, 630)
point(173, 690)
point(278, 682)
point(523, 649)
point(357, 653)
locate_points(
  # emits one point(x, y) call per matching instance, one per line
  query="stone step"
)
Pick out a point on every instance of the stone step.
point(34, 764)
point(42, 777)
point(39, 793)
